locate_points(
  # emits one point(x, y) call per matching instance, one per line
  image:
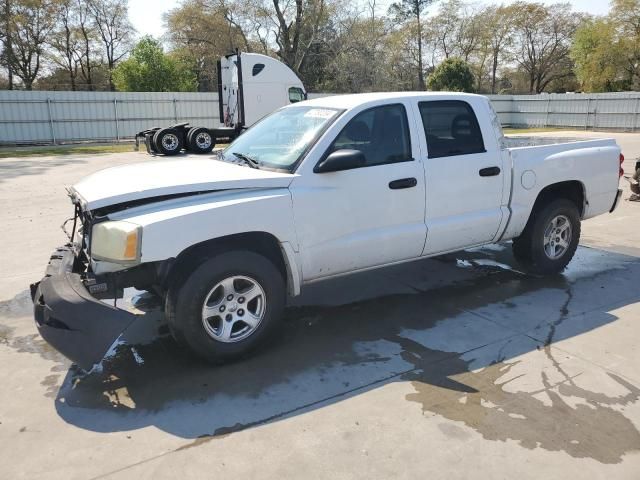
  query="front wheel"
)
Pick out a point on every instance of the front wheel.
point(550, 239)
point(228, 306)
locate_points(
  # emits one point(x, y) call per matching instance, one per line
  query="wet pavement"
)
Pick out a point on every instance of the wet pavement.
point(459, 366)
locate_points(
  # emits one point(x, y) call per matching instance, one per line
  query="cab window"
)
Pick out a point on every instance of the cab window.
point(380, 133)
point(296, 94)
point(451, 128)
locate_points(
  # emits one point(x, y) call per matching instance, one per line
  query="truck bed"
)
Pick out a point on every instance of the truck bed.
point(516, 141)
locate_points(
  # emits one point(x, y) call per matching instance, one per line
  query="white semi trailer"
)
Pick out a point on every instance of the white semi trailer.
point(250, 86)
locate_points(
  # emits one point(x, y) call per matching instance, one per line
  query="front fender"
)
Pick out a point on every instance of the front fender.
point(171, 227)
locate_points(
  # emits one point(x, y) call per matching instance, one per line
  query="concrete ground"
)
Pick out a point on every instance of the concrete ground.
point(456, 367)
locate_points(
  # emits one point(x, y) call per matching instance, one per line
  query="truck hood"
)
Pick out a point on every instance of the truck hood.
point(161, 178)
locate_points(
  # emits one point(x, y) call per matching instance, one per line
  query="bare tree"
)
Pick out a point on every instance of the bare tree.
point(544, 35)
point(297, 26)
point(111, 18)
point(85, 54)
point(5, 37)
point(30, 25)
point(415, 10)
point(498, 22)
point(65, 41)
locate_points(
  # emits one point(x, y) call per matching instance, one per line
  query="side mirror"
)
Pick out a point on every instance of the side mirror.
point(341, 160)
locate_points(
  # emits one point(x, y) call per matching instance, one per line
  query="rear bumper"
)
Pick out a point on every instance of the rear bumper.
point(616, 201)
point(76, 324)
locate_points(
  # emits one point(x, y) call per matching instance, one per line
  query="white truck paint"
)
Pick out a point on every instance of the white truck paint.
point(348, 221)
point(446, 181)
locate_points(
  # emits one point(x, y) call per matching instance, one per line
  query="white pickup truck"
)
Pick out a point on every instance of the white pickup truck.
point(318, 189)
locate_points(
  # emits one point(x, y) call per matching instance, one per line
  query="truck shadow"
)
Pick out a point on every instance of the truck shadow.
point(472, 338)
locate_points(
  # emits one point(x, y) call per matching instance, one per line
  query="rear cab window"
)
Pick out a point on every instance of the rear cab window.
point(451, 128)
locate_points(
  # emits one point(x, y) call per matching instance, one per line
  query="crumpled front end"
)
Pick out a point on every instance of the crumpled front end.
point(69, 318)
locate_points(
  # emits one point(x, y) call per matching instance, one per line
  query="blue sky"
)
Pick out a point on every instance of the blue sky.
point(146, 15)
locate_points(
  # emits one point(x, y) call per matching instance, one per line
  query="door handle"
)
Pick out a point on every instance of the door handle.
point(489, 171)
point(403, 183)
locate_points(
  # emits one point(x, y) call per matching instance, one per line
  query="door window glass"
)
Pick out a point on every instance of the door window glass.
point(296, 94)
point(451, 128)
point(380, 133)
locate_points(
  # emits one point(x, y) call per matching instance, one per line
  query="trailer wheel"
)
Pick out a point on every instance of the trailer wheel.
point(187, 139)
point(149, 142)
point(200, 140)
point(168, 141)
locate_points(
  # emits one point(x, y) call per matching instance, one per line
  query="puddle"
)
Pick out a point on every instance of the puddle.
point(596, 428)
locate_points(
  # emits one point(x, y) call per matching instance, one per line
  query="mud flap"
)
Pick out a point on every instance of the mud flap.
point(76, 324)
point(616, 202)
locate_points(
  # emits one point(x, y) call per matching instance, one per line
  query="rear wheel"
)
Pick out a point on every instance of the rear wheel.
point(187, 137)
point(149, 139)
point(228, 306)
point(168, 141)
point(550, 239)
point(200, 140)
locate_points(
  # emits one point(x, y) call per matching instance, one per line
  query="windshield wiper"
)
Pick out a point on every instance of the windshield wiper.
point(252, 162)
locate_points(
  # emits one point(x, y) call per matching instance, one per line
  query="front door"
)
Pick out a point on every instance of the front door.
point(368, 216)
point(464, 177)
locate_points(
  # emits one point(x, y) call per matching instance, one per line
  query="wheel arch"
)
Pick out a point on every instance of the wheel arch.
point(573, 190)
point(263, 243)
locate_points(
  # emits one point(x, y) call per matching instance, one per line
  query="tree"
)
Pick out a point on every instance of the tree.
point(625, 17)
point(6, 35)
point(543, 38)
point(498, 22)
point(199, 33)
point(454, 75)
point(297, 26)
point(29, 26)
point(598, 58)
point(65, 41)
point(148, 69)
point(413, 9)
point(457, 29)
point(111, 19)
point(88, 41)
point(350, 54)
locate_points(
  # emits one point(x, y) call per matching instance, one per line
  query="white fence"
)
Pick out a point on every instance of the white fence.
point(59, 117)
point(599, 111)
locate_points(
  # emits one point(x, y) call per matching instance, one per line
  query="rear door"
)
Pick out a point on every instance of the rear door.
point(464, 176)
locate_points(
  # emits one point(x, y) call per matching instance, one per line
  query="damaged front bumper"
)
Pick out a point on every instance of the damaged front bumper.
point(69, 318)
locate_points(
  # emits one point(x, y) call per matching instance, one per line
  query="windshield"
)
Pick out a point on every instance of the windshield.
point(280, 140)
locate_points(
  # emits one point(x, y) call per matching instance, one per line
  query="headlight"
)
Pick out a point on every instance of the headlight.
point(116, 241)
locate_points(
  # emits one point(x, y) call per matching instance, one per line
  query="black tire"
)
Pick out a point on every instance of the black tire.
point(529, 248)
point(168, 141)
point(185, 302)
point(152, 144)
point(187, 138)
point(201, 140)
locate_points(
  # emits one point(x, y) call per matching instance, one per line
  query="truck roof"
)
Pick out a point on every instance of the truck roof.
point(358, 99)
